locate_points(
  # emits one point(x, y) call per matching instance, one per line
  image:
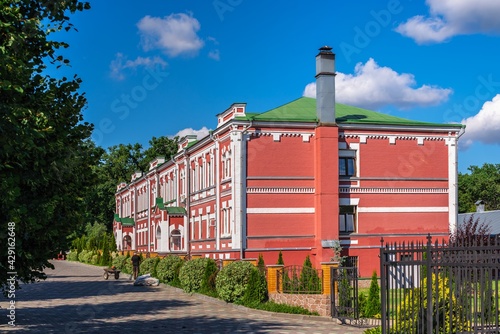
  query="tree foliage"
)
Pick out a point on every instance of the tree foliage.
point(481, 183)
point(46, 155)
point(471, 233)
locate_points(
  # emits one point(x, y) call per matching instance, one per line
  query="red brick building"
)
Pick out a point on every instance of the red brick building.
point(296, 179)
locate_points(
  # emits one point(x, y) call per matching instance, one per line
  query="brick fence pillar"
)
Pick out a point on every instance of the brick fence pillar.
point(325, 267)
point(272, 278)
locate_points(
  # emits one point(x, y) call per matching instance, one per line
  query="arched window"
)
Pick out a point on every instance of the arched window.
point(158, 233)
point(175, 240)
point(127, 242)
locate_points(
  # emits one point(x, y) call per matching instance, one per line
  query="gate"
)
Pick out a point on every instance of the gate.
point(344, 294)
point(431, 288)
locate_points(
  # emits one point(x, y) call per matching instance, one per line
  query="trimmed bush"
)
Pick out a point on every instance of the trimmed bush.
point(119, 262)
point(72, 255)
point(127, 266)
point(198, 275)
point(232, 280)
point(148, 266)
point(83, 255)
point(168, 268)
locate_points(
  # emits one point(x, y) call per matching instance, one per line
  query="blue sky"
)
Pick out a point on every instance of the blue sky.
point(165, 68)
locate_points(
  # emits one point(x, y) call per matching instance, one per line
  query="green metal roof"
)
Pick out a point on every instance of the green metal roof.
point(304, 110)
point(125, 221)
point(176, 210)
point(171, 210)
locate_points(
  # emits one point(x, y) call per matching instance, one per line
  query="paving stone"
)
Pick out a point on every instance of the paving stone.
point(76, 299)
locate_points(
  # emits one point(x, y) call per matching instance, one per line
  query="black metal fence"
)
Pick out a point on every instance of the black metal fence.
point(440, 288)
point(344, 294)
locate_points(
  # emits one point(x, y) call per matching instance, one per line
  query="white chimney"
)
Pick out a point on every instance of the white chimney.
point(480, 206)
point(325, 85)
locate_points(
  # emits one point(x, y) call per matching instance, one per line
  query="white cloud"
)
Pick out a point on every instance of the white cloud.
point(214, 54)
point(120, 63)
point(201, 133)
point(483, 127)
point(448, 18)
point(373, 86)
point(174, 34)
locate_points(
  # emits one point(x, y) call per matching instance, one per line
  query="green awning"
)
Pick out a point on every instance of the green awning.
point(125, 221)
point(171, 210)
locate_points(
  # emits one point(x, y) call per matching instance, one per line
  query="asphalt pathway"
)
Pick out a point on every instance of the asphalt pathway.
point(76, 299)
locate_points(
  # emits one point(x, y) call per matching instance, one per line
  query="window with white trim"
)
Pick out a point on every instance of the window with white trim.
point(347, 163)
point(347, 219)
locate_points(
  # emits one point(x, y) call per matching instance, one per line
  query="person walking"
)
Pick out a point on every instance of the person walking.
point(136, 261)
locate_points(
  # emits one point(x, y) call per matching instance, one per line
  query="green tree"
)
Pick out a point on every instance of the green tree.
point(46, 156)
point(159, 147)
point(481, 183)
point(280, 259)
point(309, 279)
point(373, 305)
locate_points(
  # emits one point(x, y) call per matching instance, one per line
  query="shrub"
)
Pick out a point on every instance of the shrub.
point(232, 280)
point(362, 299)
point(127, 265)
point(256, 289)
point(373, 305)
point(82, 255)
point(374, 330)
point(148, 266)
point(309, 279)
point(448, 310)
point(168, 268)
point(119, 262)
point(284, 308)
point(72, 255)
point(280, 259)
point(94, 259)
point(198, 275)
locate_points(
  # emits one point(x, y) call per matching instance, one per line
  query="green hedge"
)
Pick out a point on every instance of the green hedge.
point(198, 275)
point(148, 266)
point(168, 268)
point(232, 280)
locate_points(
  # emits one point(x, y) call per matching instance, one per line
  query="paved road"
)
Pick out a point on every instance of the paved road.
point(76, 299)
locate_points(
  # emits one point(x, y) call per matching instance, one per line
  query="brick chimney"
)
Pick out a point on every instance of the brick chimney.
point(325, 85)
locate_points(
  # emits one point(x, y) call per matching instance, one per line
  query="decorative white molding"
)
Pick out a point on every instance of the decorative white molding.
point(395, 209)
point(348, 190)
point(275, 190)
point(306, 137)
point(280, 210)
point(391, 137)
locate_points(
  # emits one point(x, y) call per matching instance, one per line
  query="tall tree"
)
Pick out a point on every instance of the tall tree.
point(159, 147)
point(46, 156)
point(481, 183)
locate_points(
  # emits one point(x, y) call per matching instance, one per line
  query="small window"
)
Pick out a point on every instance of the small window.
point(347, 219)
point(347, 166)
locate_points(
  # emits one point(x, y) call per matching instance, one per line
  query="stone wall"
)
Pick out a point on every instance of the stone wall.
point(312, 302)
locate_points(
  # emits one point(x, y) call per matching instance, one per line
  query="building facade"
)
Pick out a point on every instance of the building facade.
point(299, 179)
